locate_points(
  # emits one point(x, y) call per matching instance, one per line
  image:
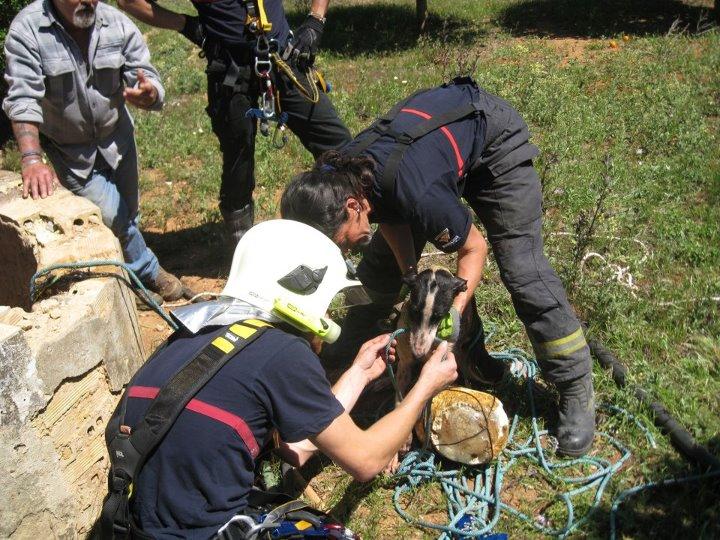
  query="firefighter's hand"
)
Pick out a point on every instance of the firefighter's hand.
point(144, 95)
point(39, 180)
point(307, 41)
point(193, 30)
point(439, 371)
point(370, 360)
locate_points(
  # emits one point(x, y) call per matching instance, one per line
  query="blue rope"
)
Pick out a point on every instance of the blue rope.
point(89, 264)
point(479, 508)
point(474, 512)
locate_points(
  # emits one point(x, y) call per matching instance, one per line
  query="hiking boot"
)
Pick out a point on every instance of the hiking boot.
point(166, 285)
point(576, 416)
point(237, 222)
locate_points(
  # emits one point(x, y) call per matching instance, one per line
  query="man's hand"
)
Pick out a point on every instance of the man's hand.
point(439, 371)
point(39, 180)
point(370, 360)
point(307, 41)
point(144, 95)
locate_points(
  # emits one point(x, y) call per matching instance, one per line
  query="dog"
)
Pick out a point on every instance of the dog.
point(432, 293)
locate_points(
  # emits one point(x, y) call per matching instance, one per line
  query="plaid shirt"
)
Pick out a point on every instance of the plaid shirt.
point(77, 103)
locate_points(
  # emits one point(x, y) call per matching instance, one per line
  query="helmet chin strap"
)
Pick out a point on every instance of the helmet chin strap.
point(326, 329)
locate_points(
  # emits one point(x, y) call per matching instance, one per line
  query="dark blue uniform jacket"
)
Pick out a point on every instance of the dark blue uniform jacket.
point(427, 191)
point(224, 21)
point(201, 473)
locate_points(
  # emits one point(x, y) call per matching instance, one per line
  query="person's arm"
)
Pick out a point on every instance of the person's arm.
point(368, 365)
point(470, 264)
point(26, 89)
point(364, 453)
point(143, 87)
point(39, 180)
point(319, 7)
point(399, 238)
point(153, 14)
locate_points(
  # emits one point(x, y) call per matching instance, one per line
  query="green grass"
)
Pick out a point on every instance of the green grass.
point(639, 115)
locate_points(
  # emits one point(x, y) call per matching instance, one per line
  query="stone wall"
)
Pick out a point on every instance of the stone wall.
point(63, 362)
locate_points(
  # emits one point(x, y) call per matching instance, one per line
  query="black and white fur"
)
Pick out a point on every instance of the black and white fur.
point(432, 293)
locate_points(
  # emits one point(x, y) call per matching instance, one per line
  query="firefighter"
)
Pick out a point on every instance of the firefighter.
point(258, 74)
point(244, 371)
point(410, 172)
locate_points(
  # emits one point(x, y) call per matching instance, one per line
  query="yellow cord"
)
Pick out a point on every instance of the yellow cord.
point(312, 95)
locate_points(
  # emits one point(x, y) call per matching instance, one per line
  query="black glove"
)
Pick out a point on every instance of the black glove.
point(193, 30)
point(307, 41)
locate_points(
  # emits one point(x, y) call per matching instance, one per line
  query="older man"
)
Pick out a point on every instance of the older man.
point(71, 66)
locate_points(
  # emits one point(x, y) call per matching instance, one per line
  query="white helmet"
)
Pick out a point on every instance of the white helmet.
point(292, 270)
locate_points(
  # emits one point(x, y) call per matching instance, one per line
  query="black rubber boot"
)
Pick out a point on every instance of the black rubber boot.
point(576, 416)
point(238, 222)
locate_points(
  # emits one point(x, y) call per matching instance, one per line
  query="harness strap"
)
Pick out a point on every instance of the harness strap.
point(381, 127)
point(128, 450)
point(405, 139)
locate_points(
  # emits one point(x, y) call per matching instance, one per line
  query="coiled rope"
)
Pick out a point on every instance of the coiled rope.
point(474, 494)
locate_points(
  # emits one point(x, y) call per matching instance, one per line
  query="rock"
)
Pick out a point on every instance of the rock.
point(62, 365)
point(466, 425)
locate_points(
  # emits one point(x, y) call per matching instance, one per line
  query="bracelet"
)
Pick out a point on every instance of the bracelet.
point(317, 16)
point(31, 162)
point(29, 153)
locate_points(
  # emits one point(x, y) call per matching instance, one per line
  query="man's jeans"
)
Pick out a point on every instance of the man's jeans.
point(115, 192)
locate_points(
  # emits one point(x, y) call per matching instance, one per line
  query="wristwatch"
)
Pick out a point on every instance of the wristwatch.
point(317, 16)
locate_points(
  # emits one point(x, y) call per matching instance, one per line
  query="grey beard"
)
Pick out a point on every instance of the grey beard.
point(84, 17)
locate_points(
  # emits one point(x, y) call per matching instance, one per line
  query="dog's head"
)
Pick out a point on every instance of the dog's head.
point(431, 295)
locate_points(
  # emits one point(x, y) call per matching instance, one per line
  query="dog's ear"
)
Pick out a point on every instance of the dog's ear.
point(410, 278)
point(459, 285)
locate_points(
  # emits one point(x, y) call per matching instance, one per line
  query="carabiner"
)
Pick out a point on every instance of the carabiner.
point(262, 67)
point(283, 140)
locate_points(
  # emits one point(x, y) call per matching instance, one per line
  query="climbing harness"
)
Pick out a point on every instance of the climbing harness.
point(129, 448)
point(267, 56)
point(381, 127)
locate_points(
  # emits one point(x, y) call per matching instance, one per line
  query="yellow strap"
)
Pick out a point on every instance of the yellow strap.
point(265, 25)
point(223, 344)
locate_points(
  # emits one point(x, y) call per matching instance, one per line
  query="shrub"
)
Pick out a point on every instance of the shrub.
point(8, 10)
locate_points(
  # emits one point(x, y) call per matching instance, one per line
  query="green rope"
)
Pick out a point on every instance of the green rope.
point(145, 296)
point(479, 509)
point(474, 512)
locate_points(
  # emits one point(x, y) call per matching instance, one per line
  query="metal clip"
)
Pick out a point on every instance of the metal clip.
point(262, 67)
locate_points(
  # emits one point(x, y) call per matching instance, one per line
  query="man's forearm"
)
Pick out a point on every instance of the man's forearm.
point(153, 14)
point(319, 7)
point(27, 136)
point(349, 386)
point(470, 265)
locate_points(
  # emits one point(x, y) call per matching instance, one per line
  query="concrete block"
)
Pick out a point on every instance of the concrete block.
point(63, 362)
